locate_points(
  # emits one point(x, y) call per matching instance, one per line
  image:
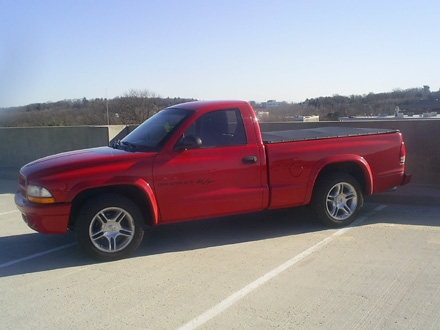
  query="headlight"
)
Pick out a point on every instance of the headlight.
point(39, 194)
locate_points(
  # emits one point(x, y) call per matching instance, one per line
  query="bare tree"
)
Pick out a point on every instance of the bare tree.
point(136, 106)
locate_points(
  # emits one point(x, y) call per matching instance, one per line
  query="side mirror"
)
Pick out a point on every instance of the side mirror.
point(189, 142)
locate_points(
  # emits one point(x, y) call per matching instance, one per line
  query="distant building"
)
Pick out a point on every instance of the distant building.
point(398, 115)
point(432, 115)
point(302, 118)
point(262, 115)
point(271, 104)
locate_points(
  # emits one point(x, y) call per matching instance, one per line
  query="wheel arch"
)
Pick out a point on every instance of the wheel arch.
point(354, 165)
point(140, 193)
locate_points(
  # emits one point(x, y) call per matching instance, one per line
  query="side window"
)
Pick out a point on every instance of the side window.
point(221, 128)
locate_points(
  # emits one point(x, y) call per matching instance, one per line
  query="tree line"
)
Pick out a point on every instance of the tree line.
point(135, 106)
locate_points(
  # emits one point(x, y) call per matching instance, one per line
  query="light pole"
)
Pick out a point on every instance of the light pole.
point(106, 106)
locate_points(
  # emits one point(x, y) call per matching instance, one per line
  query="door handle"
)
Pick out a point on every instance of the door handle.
point(250, 160)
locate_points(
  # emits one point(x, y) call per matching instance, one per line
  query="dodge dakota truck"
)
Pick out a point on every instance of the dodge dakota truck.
point(201, 160)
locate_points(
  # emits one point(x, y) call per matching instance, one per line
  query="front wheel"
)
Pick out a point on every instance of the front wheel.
point(337, 200)
point(109, 227)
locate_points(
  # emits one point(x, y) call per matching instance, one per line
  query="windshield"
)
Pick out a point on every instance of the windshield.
point(155, 132)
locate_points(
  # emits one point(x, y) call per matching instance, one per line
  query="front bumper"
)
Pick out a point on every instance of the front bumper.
point(44, 218)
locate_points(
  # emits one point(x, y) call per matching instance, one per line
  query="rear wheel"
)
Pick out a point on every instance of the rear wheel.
point(109, 227)
point(337, 200)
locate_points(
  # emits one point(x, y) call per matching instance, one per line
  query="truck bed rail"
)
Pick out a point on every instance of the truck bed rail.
point(320, 133)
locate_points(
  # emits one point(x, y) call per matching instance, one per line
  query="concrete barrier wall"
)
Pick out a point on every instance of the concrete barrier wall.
point(22, 145)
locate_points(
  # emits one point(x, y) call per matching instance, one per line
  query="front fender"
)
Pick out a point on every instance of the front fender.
point(145, 187)
point(141, 184)
point(339, 159)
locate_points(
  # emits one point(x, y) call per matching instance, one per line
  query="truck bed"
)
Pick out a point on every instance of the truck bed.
point(320, 133)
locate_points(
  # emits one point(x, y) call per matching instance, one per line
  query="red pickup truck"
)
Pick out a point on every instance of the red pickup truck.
point(200, 160)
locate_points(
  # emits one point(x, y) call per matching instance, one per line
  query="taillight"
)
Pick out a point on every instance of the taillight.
point(402, 154)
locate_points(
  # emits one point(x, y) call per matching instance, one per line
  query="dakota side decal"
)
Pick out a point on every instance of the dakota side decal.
point(202, 182)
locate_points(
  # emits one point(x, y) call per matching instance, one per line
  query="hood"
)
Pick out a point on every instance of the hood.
point(81, 159)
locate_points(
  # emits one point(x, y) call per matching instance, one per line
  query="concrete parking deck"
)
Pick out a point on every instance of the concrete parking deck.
point(268, 270)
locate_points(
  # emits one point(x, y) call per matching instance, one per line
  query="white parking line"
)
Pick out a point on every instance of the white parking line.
point(4, 213)
point(233, 298)
point(36, 255)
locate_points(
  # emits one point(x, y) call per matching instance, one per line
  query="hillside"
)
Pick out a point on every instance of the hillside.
point(414, 100)
point(136, 106)
point(133, 107)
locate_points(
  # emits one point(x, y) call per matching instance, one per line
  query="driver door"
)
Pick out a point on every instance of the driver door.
point(221, 176)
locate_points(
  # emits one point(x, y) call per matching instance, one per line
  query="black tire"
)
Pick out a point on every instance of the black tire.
point(337, 199)
point(109, 227)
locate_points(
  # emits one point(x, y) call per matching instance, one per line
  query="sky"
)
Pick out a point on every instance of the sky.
point(211, 50)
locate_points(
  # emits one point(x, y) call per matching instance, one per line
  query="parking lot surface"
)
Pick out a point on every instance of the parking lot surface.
point(270, 270)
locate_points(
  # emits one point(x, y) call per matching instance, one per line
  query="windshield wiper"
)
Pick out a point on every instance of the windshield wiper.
point(116, 144)
point(130, 146)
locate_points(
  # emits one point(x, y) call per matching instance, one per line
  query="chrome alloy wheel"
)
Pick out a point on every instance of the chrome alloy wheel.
point(341, 201)
point(112, 229)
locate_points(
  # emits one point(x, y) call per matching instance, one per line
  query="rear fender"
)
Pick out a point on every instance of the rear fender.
point(340, 159)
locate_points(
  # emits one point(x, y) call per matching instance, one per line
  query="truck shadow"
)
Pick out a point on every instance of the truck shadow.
point(227, 230)
point(187, 236)
point(201, 234)
point(34, 252)
point(23, 254)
